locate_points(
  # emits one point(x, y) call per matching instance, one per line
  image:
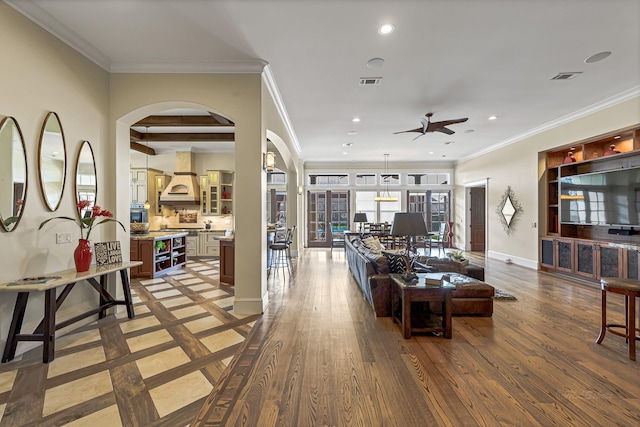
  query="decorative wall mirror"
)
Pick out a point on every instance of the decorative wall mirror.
point(13, 174)
point(508, 210)
point(52, 161)
point(86, 182)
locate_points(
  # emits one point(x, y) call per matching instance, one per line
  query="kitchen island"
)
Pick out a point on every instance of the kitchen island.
point(227, 259)
point(159, 251)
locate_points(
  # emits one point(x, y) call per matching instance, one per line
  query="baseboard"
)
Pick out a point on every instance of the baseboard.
point(523, 262)
point(250, 305)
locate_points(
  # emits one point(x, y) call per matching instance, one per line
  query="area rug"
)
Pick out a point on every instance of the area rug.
point(499, 294)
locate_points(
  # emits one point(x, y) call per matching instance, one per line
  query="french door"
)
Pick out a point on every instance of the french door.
point(327, 211)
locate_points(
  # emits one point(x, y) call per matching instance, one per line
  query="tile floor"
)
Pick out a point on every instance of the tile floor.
point(156, 369)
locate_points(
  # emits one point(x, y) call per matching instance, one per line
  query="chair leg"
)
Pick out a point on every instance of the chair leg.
point(603, 319)
point(631, 325)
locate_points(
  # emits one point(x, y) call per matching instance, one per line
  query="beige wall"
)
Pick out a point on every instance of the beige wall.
point(40, 74)
point(517, 166)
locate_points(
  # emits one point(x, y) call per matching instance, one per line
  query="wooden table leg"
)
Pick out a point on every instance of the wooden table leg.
point(49, 326)
point(406, 313)
point(16, 324)
point(631, 325)
point(103, 301)
point(446, 315)
point(126, 289)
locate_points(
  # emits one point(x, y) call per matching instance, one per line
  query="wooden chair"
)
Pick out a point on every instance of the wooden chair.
point(631, 290)
point(440, 240)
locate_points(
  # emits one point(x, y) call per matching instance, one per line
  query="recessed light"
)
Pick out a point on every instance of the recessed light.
point(493, 117)
point(355, 119)
point(430, 152)
point(375, 63)
point(344, 153)
point(597, 57)
point(385, 29)
point(347, 144)
point(352, 132)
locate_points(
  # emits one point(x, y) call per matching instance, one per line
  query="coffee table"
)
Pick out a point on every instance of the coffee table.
point(404, 293)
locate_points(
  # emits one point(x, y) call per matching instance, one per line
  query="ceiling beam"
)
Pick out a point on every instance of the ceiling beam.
point(211, 120)
point(178, 137)
point(142, 148)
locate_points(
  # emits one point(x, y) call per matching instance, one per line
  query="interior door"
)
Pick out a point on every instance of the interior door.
point(326, 211)
point(477, 216)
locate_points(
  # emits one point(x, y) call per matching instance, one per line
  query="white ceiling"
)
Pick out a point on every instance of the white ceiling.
point(455, 58)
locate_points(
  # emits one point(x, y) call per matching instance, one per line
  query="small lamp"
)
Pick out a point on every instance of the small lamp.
point(360, 217)
point(408, 224)
point(269, 161)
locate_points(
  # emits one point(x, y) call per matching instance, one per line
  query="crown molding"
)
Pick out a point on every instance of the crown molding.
point(270, 82)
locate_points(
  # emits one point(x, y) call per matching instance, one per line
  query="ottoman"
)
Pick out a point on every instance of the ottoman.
point(470, 298)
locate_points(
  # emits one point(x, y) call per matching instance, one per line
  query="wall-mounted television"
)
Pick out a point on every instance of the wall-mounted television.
point(609, 198)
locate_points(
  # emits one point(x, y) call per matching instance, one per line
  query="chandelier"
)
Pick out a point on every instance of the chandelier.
point(385, 196)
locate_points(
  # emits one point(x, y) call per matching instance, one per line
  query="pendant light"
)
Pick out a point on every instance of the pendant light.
point(147, 205)
point(385, 196)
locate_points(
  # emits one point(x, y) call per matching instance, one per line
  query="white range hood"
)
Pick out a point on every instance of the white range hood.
point(183, 188)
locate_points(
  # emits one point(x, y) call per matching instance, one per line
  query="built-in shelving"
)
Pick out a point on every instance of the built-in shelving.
point(158, 260)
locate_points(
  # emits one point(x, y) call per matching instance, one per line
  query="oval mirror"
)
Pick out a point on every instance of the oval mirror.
point(52, 161)
point(86, 184)
point(13, 174)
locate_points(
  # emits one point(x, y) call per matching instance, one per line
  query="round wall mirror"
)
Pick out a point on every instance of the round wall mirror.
point(52, 161)
point(13, 174)
point(86, 183)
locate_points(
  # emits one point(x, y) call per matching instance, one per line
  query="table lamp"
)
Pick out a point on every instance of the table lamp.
point(360, 217)
point(408, 224)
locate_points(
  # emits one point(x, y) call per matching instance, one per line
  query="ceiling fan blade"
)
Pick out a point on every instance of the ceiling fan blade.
point(422, 134)
point(444, 130)
point(410, 130)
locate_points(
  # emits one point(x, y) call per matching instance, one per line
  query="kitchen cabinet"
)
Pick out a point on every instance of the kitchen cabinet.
point(209, 245)
point(216, 193)
point(192, 246)
point(160, 181)
point(138, 188)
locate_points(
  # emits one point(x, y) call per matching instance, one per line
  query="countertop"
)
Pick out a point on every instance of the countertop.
point(158, 234)
point(225, 238)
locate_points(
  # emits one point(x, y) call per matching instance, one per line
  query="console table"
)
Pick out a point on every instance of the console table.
point(45, 331)
point(404, 293)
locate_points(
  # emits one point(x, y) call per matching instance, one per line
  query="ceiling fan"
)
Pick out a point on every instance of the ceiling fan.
point(429, 126)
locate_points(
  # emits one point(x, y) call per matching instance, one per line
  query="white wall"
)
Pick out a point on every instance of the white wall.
point(40, 74)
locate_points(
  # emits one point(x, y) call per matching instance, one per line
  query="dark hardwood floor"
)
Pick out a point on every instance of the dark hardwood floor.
point(319, 357)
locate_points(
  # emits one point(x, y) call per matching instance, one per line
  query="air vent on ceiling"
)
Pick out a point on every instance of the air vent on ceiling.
point(566, 76)
point(370, 81)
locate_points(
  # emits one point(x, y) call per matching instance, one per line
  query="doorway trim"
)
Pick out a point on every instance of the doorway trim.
point(483, 183)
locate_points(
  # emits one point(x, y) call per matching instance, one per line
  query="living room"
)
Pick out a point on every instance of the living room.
point(46, 74)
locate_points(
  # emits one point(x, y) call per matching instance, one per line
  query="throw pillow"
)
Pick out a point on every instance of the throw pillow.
point(396, 262)
point(373, 244)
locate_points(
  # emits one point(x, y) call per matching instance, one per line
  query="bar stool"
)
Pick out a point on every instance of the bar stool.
point(631, 290)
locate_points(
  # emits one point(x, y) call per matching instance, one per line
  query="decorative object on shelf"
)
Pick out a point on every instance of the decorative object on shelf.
point(161, 246)
point(225, 194)
point(87, 222)
point(385, 196)
point(570, 158)
point(187, 217)
point(139, 227)
point(508, 210)
point(611, 151)
point(207, 225)
point(107, 253)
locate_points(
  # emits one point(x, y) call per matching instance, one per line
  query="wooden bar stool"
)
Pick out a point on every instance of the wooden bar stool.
point(631, 290)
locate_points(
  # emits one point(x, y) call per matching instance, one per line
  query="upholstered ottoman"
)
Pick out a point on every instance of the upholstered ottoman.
point(471, 296)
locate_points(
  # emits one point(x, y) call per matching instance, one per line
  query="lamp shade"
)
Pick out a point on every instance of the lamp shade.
point(360, 217)
point(408, 224)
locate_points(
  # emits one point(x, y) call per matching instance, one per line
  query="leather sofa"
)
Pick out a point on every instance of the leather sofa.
point(371, 272)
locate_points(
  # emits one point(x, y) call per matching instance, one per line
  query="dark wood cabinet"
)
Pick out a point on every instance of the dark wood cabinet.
point(156, 262)
point(227, 261)
point(557, 253)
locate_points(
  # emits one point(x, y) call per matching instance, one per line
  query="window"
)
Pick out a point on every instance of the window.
point(337, 179)
point(366, 204)
point(390, 178)
point(276, 178)
point(365, 179)
point(439, 209)
point(428, 178)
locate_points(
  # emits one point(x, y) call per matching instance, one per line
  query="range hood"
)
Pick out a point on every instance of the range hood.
point(183, 188)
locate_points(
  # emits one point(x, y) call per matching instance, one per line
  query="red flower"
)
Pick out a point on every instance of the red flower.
point(87, 223)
